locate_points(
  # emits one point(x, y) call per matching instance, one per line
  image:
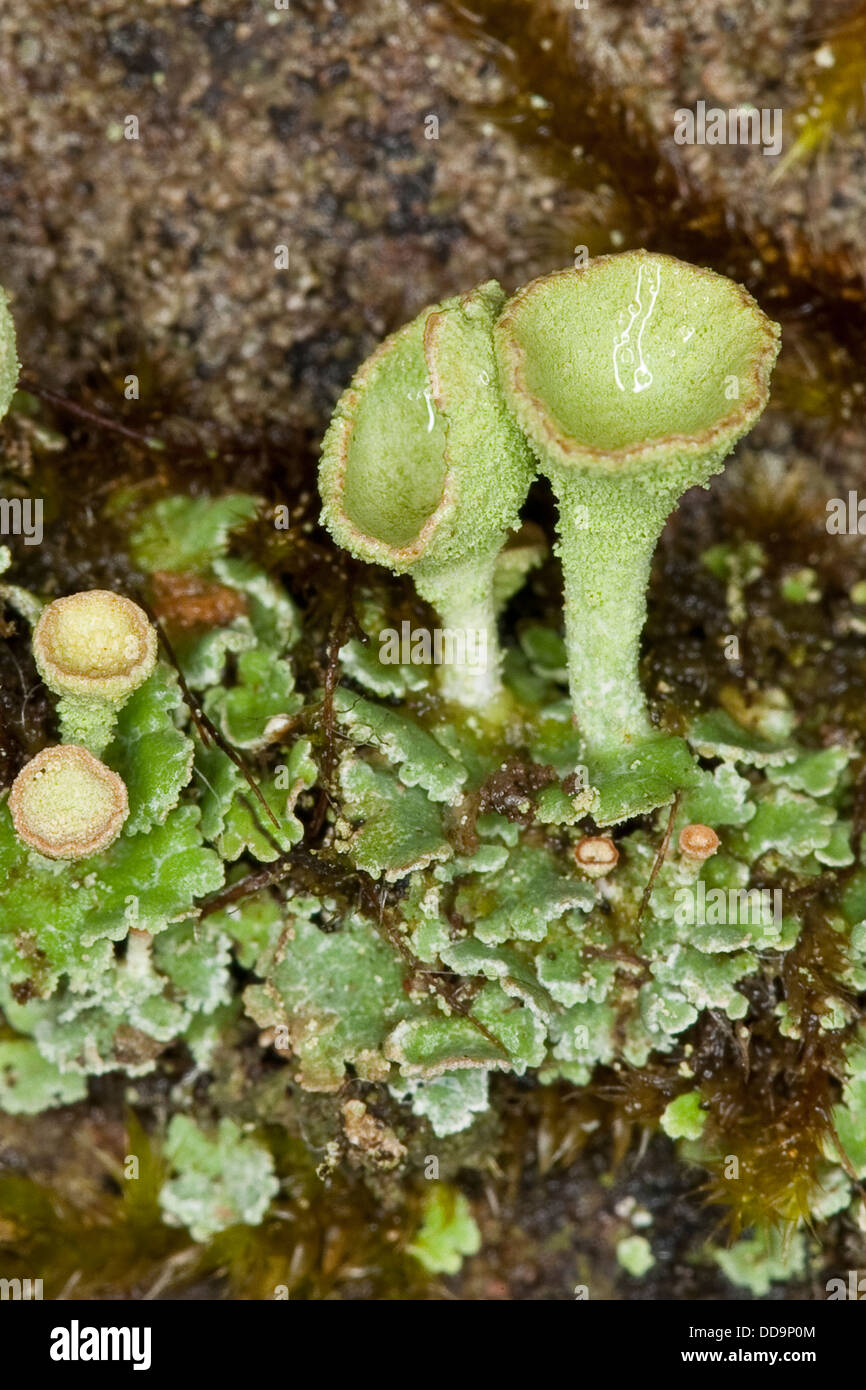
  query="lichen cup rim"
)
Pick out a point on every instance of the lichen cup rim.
point(100, 834)
point(124, 677)
point(336, 462)
point(546, 433)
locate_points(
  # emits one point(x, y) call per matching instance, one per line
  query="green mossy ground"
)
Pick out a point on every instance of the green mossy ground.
point(412, 935)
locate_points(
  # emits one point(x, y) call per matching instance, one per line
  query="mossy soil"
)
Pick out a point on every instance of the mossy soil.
point(552, 1170)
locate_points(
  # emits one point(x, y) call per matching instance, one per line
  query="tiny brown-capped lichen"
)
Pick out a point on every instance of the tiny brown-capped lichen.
point(698, 842)
point(95, 643)
point(93, 649)
point(66, 804)
point(596, 855)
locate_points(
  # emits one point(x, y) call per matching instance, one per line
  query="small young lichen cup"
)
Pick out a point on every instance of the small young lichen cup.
point(93, 649)
point(423, 470)
point(67, 804)
point(633, 378)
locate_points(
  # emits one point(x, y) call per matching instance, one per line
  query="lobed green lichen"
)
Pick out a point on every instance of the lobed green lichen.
point(335, 882)
point(489, 952)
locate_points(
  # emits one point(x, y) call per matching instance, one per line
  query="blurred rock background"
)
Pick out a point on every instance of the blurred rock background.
point(402, 151)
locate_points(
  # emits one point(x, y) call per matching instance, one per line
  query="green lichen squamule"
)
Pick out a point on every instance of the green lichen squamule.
point(423, 470)
point(93, 649)
point(633, 378)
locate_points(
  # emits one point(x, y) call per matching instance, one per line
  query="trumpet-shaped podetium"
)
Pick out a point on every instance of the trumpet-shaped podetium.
point(424, 470)
point(93, 649)
point(67, 804)
point(9, 365)
point(633, 377)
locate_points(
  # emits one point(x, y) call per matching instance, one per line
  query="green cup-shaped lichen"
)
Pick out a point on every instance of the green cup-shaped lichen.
point(93, 649)
point(67, 804)
point(424, 471)
point(9, 365)
point(633, 378)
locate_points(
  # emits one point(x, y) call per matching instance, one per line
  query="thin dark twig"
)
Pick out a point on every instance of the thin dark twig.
point(207, 730)
point(344, 622)
point(262, 829)
point(657, 863)
point(83, 412)
point(249, 884)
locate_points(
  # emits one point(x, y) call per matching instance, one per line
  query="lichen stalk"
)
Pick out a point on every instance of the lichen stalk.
point(93, 649)
point(606, 542)
point(463, 598)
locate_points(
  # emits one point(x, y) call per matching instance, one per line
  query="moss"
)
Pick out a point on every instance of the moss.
point(833, 80)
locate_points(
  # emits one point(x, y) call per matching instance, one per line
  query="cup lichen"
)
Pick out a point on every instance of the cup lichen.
point(9, 364)
point(633, 378)
point(93, 649)
point(424, 470)
point(67, 804)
